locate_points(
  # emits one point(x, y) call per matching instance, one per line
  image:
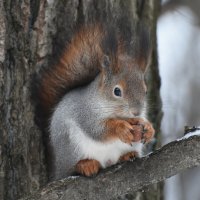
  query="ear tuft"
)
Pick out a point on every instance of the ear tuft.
point(143, 51)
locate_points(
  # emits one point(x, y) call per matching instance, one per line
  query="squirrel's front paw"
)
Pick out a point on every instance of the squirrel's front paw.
point(144, 127)
point(124, 132)
point(87, 167)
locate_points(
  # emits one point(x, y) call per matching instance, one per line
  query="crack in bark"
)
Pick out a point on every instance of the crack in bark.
point(34, 10)
point(80, 14)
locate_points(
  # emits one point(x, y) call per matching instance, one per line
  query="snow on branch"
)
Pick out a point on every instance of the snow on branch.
point(128, 177)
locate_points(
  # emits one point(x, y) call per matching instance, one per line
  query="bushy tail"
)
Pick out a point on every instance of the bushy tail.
point(80, 63)
point(77, 66)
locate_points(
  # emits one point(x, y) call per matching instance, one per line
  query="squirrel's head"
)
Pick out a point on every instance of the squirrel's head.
point(122, 85)
point(124, 62)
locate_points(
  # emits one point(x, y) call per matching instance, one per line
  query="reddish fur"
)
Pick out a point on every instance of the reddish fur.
point(118, 129)
point(63, 75)
point(146, 126)
point(129, 130)
point(87, 167)
point(128, 156)
point(122, 83)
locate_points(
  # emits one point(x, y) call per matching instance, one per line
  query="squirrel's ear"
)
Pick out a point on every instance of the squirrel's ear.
point(144, 62)
point(144, 50)
point(105, 62)
point(106, 66)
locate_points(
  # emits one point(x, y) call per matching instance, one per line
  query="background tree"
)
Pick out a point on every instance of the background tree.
point(178, 26)
point(31, 34)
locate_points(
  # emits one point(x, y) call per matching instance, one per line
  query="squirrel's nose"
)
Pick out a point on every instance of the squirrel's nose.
point(136, 112)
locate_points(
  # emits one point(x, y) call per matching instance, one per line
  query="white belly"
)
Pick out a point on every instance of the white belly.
point(107, 153)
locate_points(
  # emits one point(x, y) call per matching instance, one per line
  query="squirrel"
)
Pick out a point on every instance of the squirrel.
point(94, 100)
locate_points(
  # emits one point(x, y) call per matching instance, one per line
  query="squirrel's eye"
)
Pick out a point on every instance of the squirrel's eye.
point(117, 92)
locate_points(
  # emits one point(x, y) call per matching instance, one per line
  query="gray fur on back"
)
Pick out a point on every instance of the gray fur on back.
point(79, 111)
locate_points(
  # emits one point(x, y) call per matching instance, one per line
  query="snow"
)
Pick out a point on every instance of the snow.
point(197, 133)
point(72, 177)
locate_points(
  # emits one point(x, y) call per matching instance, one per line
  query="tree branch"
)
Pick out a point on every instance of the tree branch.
point(127, 177)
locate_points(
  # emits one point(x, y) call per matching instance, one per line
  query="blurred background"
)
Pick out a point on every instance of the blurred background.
point(179, 62)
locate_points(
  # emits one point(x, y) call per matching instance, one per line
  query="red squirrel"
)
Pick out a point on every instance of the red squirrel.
point(94, 100)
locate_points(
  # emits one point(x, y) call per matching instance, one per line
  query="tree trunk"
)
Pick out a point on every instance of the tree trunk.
point(31, 34)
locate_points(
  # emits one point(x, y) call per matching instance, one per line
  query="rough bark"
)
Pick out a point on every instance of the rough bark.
point(129, 177)
point(21, 150)
point(31, 34)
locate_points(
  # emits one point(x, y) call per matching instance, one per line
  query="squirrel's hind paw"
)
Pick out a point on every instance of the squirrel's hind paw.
point(87, 167)
point(128, 156)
